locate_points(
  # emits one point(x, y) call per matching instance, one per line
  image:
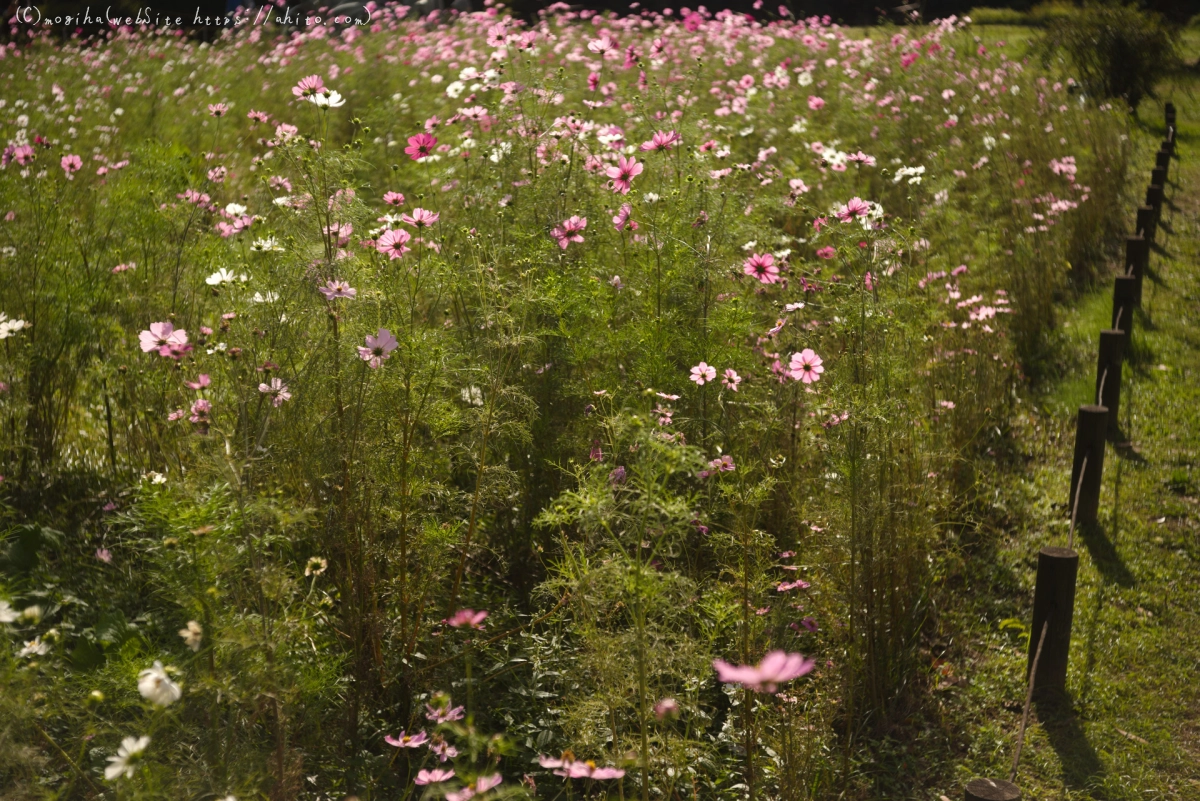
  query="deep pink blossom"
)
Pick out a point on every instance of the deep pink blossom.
point(815, 103)
point(568, 231)
point(776, 668)
point(761, 266)
point(826, 252)
point(71, 164)
point(393, 198)
point(623, 173)
point(420, 146)
point(662, 140)
point(622, 222)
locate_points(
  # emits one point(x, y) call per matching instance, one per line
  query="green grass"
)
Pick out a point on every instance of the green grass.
point(1132, 729)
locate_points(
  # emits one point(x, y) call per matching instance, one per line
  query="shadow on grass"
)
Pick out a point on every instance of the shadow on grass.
point(1104, 555)
point(1081, 766)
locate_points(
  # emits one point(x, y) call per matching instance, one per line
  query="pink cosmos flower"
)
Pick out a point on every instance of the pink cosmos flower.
point(104, 555)
point(568, 231)
point(667, 707)
point(420, 218)
point(218, 175)
point(257, 116)
point(203, 380)
point(277, 390)
point(575, 769)
point(703, 373)
point(420, 146)
point(662, 140)
point(337, 289)
point(826, 252)
point(855, 207)
point(394, 243)
point(379, 348)
point(731, 379)
point(163, 337)
point(815, 103)
point(120, 268)
point(407, 740)
point(443, 714)
point(805, 366)
point(623, 173)
point(393, 199)
point(776, 668)
point(217, 109)
point(480, 785)
point(71, 163)
point(466, 618)
point(621, 219)
point(433, 776)
point(442, 749)
point(788, 586)
point(762, 266)
point(309, 86)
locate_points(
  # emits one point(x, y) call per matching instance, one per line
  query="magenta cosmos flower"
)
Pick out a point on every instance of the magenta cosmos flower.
point(568, 231)
point(776, 668)
point(379, 348)
point(662, 140)
point(480, 785)
point(731, 379)
point(71, 163)
point(466, 618)
point(621, 221)
point(623, 173)
point(393, 199)
point(805, 366)
point(277, 390)
point(433, 776)
point(393, 244)
point(420, 218)
point(855, 207)
point(702, 373)
point(407, 740)
point(420, 146)
point(816, 103)
point(826, 252)
point(163, 337)
point(762, 266)
point(337, 289)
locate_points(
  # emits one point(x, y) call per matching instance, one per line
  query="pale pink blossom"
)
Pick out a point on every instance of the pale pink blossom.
point(662, 140)
point(702, 373)
point(277, 390)
point(394, 243)
point(731, 379)
point(805, 366)
point(378, 348)
point(466, 618)
point(407, 740)
point(420, 218)
point(337, 289)
point(776, 668)
point(433, 776)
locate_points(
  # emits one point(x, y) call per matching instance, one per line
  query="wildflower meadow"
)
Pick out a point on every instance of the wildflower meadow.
point(456, 406)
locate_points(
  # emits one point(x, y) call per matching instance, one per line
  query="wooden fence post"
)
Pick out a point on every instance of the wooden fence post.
point(1053, 601)
point(1087, 468)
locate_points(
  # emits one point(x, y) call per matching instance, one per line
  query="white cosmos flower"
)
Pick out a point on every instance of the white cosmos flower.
point(7, 613)
point(35, 647)
point(336, 100)
point(455, 89)
point(235, 209)
point(224, 276)
point(266, 244)
point(9, 327)
point(156, 686)
point(192, 634)
point(125, 760)
point(269, 297)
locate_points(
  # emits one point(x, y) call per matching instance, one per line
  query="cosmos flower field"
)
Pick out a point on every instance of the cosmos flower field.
point(460, 407)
